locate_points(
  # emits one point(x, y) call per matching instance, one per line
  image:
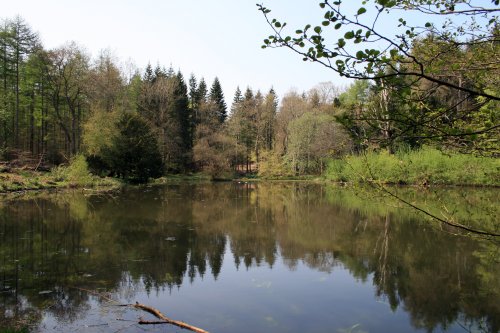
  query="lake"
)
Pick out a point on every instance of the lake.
point(249, 257)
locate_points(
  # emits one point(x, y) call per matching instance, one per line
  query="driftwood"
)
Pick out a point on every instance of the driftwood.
point(163, 319)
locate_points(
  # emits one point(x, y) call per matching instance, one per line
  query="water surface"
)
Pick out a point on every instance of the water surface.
point(238, 257)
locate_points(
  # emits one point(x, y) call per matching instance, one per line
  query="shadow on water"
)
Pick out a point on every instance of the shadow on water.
point(195, 244)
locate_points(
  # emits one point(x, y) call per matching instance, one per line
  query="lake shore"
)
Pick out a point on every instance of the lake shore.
point(23, 180)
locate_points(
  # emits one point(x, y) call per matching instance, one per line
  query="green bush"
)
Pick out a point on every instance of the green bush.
point(76, 173)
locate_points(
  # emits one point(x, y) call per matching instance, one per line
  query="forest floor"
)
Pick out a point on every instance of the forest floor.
point(19, 179)
point(23, 173)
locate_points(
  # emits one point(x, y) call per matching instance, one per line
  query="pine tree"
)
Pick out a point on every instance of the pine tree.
point(217, 97)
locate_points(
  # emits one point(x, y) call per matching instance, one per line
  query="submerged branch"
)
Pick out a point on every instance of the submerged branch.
point(166, 320)
point(163, 319)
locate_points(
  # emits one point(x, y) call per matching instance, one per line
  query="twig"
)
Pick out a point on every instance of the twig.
point(40, 161)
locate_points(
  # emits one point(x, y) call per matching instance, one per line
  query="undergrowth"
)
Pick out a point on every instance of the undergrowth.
point(425, 166)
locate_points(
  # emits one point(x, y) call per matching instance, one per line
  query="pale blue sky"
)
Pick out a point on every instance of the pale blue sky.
point(209, 38)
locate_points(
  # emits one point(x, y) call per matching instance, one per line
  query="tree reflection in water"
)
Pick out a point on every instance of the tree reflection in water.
point(159, 238)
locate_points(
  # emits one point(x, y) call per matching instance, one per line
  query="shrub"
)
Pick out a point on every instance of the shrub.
point(77, 172)
point(271, 165)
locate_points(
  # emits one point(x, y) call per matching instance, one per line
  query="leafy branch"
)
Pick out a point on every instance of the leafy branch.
point(391, 56)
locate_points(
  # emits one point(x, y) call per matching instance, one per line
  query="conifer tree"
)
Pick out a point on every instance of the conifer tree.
point(185, 117)
point(193, 92)
point(202, 92)
point(148, 74)
point(217, 97)
point(24, 41)
point(238, 98)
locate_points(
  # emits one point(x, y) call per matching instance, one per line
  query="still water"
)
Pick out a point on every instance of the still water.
point(236, 257)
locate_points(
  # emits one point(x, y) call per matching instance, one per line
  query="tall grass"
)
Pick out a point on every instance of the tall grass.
point(424, 166)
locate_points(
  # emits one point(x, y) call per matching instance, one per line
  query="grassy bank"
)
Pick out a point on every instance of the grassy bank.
point(180, 178)
point(426, 166)
point(75, 175)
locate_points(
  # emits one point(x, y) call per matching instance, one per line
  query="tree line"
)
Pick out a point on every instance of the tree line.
point(60, 102)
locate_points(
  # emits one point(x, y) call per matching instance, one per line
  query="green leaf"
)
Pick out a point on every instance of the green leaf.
point(277, 25)
point(362, 10)
point(360, 55)
point(341, 42)
point(349, 35)
point(337, 26)
point(325, 23)
point(317, 29)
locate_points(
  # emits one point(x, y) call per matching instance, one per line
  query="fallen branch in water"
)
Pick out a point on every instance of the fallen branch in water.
point(165, 320)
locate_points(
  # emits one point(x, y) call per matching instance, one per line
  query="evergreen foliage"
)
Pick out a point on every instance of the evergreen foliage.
point(217, 97)
point(134, 154)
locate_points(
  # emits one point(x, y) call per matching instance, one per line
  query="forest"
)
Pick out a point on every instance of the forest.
point(61, 105)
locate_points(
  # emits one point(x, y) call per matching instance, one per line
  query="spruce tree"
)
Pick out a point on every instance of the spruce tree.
point(134, 153)
point(217, 97)
point(238, 98)
point(202, 93)
point(193, 91)
point(248, 95)
point(185, 117)
point(148, 74)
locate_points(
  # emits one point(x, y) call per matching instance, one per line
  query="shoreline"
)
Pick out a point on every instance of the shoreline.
point(23, 184)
